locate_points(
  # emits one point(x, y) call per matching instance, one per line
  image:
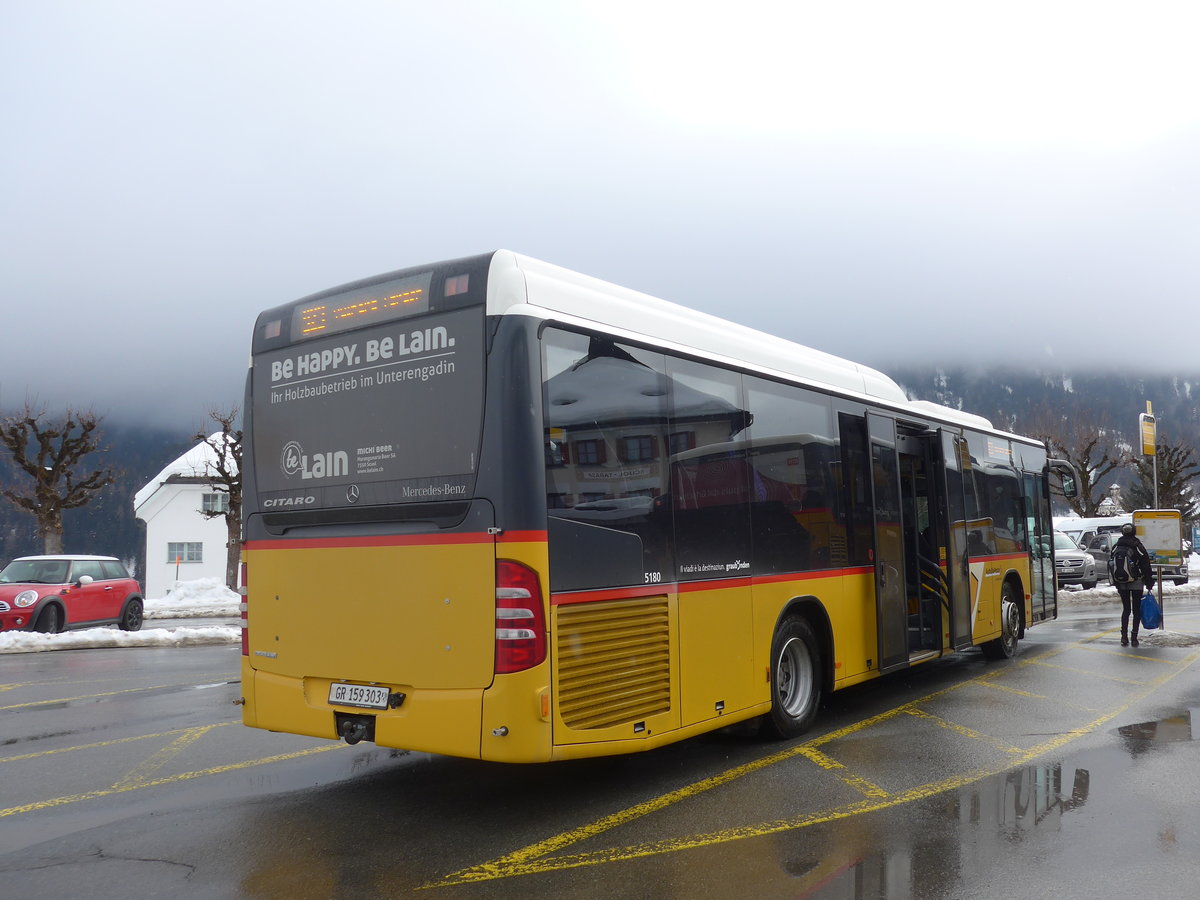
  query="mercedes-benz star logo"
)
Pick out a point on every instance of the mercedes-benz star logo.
point(352, 494)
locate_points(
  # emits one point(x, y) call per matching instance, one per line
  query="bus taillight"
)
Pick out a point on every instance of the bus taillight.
point(520, 622)
point(242, 608)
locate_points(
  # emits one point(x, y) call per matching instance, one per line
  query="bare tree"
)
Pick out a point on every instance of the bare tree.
point(1177, 466)
point(1093, 450)
point(224, 472)
point(51, 453)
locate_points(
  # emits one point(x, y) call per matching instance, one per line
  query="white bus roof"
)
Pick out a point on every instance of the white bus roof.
point(526, 286)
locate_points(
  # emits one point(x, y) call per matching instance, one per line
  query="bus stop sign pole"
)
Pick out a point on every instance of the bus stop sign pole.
point(1148, 427)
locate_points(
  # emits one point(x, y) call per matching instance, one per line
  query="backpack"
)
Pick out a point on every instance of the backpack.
point(1124, 564)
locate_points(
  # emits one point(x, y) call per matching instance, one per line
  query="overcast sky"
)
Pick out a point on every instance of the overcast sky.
point(926, 181)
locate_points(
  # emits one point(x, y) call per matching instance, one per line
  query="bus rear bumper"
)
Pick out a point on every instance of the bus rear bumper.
point(446, 722)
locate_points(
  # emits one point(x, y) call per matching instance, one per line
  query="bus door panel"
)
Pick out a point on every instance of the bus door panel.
point(954, 451)
point(927, 596)
point(1039, 531)
point(891, 597)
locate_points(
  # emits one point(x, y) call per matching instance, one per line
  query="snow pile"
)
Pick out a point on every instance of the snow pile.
point(111, 636)
point(203, 598)
point(1164, 637)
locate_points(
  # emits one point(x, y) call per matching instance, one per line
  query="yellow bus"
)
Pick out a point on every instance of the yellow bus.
point(501, 510)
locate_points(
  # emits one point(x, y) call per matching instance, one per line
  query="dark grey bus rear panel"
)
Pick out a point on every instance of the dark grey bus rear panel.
point(370, 427)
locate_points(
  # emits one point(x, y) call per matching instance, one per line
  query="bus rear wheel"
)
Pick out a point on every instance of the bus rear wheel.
point(795, 680)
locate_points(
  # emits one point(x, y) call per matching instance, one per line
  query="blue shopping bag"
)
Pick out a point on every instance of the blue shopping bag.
point(1151, 611)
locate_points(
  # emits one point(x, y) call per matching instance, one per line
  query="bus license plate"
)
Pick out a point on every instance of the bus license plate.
point(358, 695)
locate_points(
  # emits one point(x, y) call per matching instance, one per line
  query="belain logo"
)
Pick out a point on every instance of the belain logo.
point(289, 460)
point(330, 464)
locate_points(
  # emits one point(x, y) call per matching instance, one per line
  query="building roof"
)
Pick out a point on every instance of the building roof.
point(193, 467)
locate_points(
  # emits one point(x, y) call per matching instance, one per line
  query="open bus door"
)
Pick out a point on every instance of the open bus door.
point(956, 461)
point(1043, 577)
point(891, 597)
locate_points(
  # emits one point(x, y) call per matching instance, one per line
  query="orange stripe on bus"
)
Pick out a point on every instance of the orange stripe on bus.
point(1000, 557)
point(512, 537)
point(684, 587)
point(379, 540)
point(398, 540)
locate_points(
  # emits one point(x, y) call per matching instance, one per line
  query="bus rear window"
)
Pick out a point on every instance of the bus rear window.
point(382, 415)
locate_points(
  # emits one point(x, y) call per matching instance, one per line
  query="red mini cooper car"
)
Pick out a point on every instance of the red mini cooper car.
point(53, 593)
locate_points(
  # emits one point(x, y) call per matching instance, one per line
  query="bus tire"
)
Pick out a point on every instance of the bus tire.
point(795, 680)
point(1005, 646)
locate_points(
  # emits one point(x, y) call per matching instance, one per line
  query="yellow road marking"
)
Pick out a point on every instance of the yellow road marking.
point(963, 730)
point(991, 682)
point(607, 823)
point(536, 857)
point(111, 743)
point(122, 787)
point(1110, 651)
point(1094, 674)
point(157, 687)
point(144, 770)
point(860, 784)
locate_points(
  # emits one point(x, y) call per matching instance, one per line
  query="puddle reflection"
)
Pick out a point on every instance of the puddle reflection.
point(1175, 728)
point(967, 835)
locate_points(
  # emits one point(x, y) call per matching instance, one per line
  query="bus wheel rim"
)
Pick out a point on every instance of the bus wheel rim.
point(795, 677)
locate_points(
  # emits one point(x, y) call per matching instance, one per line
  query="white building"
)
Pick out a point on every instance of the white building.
point(181, 543)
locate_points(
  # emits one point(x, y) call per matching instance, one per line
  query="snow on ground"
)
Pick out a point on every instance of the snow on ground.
point(204, 598)
point(1069, 594)
point(111, 636)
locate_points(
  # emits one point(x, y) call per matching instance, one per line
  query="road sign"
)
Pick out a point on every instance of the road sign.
point(1160, 532)
point(1149, 436)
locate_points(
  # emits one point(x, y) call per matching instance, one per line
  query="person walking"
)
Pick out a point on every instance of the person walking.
point(1131, 573)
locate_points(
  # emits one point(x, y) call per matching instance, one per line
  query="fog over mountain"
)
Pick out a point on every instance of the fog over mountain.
point(1013, 398)
point(1010, 397)
point(943, 180)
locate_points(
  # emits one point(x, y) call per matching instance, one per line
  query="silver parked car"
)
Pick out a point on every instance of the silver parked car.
point(1072, 565)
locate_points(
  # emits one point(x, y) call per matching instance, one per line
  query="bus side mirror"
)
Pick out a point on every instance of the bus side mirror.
point(1067, 476)
point(1070, 489)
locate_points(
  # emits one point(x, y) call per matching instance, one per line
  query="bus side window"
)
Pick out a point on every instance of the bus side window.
point(792, 446)
point(710, 483)
point(604, 409)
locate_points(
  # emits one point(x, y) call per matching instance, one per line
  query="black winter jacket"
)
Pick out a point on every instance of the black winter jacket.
point(1143, 562)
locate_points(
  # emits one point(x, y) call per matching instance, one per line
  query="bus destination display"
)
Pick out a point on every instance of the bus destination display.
point(379, 303)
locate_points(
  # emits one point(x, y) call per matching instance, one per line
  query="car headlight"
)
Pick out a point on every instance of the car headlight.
point(26, 598)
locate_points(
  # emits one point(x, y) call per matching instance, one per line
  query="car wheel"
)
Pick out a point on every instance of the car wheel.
point(131, 619)
point(795, 679)
point(1181, 581)
point(50, 620)
point(1088, 585)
